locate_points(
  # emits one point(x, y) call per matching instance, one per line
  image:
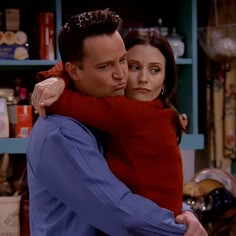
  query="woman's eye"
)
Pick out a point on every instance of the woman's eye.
point(133, 67)
point(155, 70)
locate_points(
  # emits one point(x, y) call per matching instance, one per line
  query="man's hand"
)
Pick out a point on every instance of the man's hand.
point(194, 227)
point(46, 93)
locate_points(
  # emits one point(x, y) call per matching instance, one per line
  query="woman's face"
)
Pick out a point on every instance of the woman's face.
point(146, 72)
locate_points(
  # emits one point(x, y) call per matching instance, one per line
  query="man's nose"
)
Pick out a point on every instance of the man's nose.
point(120, 72)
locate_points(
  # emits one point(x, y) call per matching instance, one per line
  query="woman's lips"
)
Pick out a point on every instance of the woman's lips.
point(142, 90)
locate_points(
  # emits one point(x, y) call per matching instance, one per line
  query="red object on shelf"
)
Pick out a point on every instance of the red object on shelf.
point(47, 36)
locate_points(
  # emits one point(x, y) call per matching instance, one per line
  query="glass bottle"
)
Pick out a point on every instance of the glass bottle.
point(23, 96)
point(163, 30)
point(176, 43)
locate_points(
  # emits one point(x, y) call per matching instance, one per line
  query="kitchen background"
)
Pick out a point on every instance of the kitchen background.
point(203, 38)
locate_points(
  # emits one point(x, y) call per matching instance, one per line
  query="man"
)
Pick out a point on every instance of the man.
point(72, 190)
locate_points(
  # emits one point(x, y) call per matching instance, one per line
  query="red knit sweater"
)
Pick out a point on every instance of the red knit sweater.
point(142, 149)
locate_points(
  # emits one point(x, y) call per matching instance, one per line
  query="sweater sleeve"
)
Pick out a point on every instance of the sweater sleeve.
point(109, 114)
point(55, 71)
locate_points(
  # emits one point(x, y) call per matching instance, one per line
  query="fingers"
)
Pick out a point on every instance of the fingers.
point(42, 94)
point(39, 107)
point(42, 111)
point(37, 99)
point(48, 102)
point(180, 219)
point(196, 230)
point(194, 227)
point(46, 93)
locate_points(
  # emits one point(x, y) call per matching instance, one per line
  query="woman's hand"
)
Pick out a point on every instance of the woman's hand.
point(184, 121)
point(194, 227)
point(46, 93)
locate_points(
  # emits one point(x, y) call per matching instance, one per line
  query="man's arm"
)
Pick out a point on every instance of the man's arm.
point(80, 177)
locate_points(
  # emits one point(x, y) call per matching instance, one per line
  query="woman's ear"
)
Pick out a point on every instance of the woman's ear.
point(72, 70)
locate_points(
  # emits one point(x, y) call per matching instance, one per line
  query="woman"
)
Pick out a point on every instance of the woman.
point(143, 128)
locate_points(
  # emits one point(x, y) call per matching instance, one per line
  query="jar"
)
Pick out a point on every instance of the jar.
point(176, 43)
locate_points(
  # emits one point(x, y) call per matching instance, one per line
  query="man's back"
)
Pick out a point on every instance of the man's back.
point(71, 188)
point(48, 214)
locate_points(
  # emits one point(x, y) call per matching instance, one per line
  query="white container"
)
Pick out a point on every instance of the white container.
point(4, 120)
point(176, 43)
point(10, 215)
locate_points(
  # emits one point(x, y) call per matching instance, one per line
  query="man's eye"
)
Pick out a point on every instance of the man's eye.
point(104, 66)
point(123, 60)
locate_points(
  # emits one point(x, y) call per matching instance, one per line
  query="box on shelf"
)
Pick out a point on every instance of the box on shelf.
point(13, 45)
point(12, 19)
point(10, 215)
point(47, 35)
point(4, 120)
point(21, 120)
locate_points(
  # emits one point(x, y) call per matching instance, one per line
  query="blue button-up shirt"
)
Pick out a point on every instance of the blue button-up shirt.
point(73, 192)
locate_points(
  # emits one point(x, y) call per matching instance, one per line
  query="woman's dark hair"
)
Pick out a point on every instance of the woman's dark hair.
point(154, 38)
point(84, 25)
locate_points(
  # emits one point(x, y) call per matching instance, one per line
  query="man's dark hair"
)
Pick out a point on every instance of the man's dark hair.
point(84, 25)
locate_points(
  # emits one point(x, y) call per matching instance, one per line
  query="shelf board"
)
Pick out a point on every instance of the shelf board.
point(13, 145)
point(31, 64)
point(192, 142)
point(18, 145)
point(184, 61)
point(22, 64)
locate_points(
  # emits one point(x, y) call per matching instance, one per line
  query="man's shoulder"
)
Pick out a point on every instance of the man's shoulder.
point(57, 121)
point(47, 131)
point(59, 125)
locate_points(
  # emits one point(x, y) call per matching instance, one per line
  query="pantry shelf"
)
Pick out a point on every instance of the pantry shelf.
point(25, 64)
point(18, 145)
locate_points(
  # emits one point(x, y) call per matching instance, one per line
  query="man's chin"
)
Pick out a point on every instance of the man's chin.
point(112, 94)
point(118, 93)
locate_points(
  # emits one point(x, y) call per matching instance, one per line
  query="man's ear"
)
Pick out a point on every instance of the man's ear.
point(72, 70)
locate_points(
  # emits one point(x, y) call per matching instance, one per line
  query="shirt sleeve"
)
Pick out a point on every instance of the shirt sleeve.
point(185, 207)
point(78, 174)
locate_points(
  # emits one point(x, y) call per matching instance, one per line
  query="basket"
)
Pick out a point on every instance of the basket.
point(10, 215)
point(219, 42)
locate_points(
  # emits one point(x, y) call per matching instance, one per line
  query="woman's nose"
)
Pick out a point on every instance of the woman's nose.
point(143, 78)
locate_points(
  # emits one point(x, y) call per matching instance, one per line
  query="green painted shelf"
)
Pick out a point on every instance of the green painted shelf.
point(18, 145)
point(13, 145)
point(32, 63)
point(25, 65)
point(184, 18)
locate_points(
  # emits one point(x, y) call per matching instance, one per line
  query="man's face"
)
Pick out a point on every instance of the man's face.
point(104, 69)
